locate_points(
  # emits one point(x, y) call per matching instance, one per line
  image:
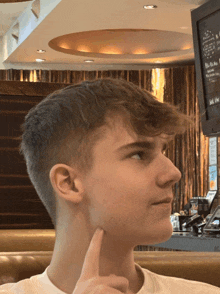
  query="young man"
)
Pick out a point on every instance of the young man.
point(112, 181)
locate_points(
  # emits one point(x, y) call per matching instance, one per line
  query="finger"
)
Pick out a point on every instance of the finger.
point(90, 266)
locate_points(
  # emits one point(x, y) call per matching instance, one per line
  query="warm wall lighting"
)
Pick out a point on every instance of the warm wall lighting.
point(110, 50)
point(64, 46)
point(88, 60)
point(83, 49)
point(158, 81)
point(140, 51)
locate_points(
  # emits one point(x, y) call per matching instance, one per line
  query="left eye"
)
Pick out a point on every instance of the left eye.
point(140, 154)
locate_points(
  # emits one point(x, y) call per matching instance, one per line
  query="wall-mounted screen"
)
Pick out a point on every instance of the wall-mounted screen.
point(206, 39)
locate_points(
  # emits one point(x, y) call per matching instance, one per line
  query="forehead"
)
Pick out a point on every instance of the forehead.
point(118, 132)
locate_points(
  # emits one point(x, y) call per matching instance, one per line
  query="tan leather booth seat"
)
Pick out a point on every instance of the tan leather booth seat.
point(25, 253)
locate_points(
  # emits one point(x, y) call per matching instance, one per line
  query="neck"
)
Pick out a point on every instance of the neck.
point(68, 258)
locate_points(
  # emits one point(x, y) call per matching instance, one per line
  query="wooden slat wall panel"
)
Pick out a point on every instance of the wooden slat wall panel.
point(32, 90)
point(189, 152)
point(20, 205)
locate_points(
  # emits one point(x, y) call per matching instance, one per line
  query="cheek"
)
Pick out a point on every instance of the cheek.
point(121, 206)
point(117, 201)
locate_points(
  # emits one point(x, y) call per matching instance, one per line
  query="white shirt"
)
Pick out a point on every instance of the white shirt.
point(153, 283)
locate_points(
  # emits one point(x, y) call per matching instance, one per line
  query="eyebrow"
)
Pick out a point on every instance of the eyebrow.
point(141, 144)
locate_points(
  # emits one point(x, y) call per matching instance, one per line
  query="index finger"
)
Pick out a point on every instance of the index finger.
point(91, 262)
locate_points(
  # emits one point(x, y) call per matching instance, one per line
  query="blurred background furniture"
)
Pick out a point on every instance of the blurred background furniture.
point(25, 253)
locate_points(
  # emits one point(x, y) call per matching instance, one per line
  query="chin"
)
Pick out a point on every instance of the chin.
point(165, 236)
point(158, 235)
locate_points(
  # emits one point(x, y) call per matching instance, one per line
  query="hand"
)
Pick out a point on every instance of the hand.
point(89, 281)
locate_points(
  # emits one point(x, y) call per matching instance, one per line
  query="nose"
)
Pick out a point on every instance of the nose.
point(168, 174)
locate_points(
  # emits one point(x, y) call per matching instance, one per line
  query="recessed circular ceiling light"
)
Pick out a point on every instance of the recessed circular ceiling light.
point(40, 60)
point(150, 6)
point(41, 51)
point(134, 44)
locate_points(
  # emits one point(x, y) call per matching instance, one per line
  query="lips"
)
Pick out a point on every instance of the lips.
point(165, 200)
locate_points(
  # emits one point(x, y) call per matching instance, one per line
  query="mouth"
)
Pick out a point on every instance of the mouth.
point(165, 200)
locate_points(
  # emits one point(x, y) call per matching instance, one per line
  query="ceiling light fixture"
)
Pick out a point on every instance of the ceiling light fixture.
point(41, 51)
point(40, 60)
point(150, 6)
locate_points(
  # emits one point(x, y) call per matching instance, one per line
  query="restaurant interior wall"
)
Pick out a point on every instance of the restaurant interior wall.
point(189, 152)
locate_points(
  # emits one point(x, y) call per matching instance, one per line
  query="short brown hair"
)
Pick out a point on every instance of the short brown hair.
point(64, 127)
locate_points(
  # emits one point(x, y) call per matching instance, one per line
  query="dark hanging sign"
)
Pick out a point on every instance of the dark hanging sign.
point(206, 39)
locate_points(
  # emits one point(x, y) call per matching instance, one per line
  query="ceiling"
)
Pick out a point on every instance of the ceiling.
point(112, 33)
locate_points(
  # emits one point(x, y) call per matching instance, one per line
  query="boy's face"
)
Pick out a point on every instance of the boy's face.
point(122, 187)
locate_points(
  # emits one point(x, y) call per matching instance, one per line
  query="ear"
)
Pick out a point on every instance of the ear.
point(66, 183)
